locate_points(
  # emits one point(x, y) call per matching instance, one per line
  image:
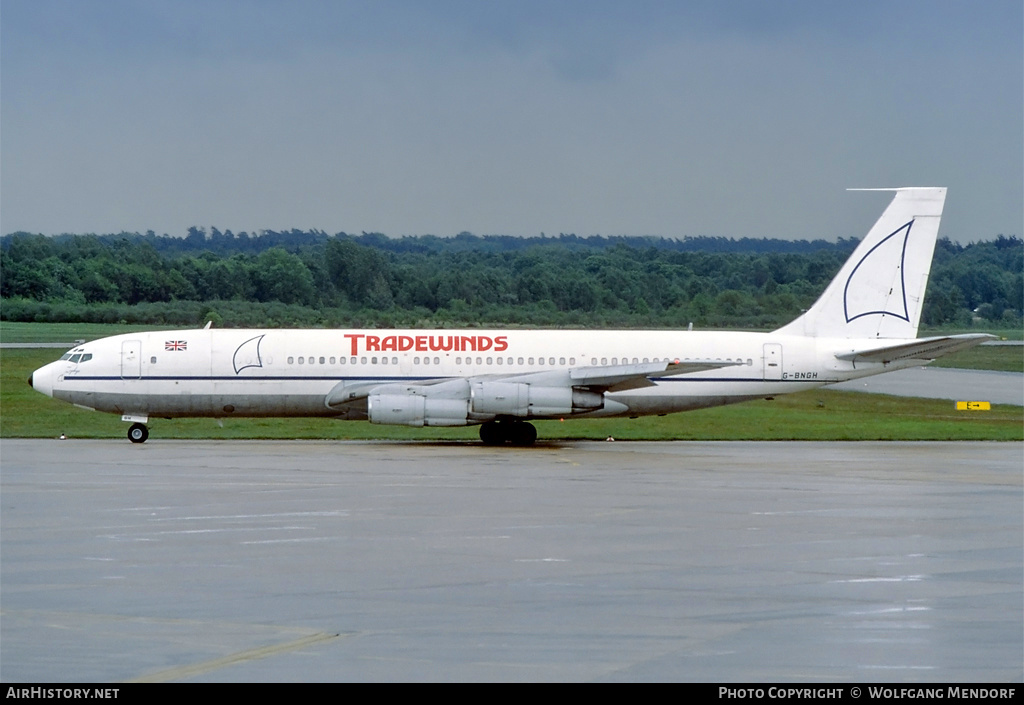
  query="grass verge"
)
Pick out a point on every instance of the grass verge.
point(1005, 358)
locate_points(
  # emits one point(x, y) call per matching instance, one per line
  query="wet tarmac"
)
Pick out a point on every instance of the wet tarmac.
point(944, 383)
point(385, 561)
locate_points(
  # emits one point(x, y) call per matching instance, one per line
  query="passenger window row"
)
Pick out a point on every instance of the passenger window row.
point(374, 360)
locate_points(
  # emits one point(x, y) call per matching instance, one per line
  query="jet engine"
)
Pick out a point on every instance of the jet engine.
point(522, 400)
point(416, 410)
point(482, 401)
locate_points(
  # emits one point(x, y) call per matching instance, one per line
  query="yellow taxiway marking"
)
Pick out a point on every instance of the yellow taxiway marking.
point(181, 672)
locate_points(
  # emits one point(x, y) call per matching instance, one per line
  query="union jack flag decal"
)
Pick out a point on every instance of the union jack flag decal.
point(176, 345)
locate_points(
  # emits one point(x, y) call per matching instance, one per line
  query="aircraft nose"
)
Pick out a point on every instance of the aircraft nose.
point(42, 380)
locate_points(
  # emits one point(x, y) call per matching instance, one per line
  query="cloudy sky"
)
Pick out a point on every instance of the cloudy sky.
point(735, 118)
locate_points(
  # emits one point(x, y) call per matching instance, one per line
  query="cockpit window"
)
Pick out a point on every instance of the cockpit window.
point(65, 356)
point(76, 357)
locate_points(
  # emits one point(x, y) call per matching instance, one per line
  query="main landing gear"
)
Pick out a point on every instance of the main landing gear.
point(518, 433)
point(138, 433)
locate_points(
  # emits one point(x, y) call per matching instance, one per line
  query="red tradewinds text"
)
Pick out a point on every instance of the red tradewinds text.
point(363, 342)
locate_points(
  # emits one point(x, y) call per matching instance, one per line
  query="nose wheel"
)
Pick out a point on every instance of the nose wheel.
point(138, 433)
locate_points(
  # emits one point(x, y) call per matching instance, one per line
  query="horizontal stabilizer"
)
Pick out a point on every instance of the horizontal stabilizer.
point(923, 349)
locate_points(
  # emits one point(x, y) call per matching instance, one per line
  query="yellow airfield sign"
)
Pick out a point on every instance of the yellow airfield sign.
point(973, 406)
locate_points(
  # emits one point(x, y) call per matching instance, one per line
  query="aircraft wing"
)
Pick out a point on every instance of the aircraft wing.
point(922, 349)
point(347, 392)
point(610, 378)
point(619, 378)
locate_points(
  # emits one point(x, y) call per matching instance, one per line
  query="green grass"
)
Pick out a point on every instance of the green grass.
point(16, 332)
point(1006, 358)
point(816, 415)
point(1002, 333)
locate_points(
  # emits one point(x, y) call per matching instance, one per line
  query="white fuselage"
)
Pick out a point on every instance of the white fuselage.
point(276, 372)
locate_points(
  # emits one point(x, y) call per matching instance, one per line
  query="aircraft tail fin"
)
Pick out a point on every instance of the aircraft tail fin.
point(879, 291)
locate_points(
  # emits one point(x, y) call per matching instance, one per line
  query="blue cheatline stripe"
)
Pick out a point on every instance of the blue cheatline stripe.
point(195, 378)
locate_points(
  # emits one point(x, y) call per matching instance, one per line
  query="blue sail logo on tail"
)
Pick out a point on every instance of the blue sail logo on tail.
point(876, 285)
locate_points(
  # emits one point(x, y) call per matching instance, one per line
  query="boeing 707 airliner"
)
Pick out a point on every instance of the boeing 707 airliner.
point(864, 323)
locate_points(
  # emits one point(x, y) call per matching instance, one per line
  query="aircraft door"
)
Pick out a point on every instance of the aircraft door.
point(131, 359)
point(772, 362)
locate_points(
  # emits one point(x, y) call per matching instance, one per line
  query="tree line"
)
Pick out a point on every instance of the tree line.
point(309, 278)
